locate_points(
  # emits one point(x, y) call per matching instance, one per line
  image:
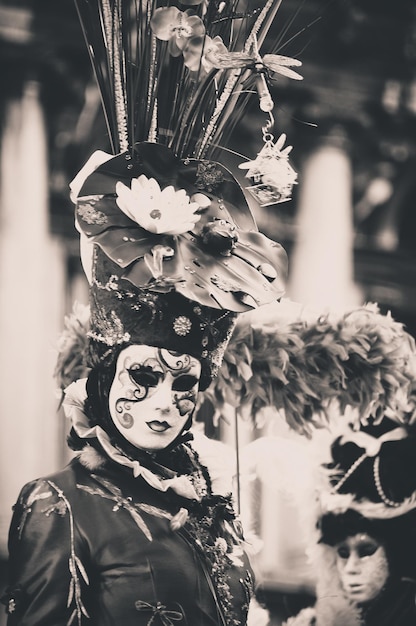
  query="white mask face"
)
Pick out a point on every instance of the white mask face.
point(362, 566)
point(153, 393)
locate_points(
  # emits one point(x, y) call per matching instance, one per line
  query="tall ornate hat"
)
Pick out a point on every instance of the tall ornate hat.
point(372, 471)
point(159, 278)
point(176, 252)
point(366, 490)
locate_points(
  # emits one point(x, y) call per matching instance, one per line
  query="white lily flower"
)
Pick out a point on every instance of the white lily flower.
point(166, 211)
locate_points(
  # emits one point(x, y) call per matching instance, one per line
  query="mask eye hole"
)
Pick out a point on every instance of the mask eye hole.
point(367, 548)
point(363, 548)
point(145, 377)
point(184, 383)
point(343, 552)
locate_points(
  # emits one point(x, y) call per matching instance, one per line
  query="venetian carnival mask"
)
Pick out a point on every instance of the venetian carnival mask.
point(153, 394)
point(362, 567)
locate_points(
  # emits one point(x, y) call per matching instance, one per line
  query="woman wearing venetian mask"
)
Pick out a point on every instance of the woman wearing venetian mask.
point(137, 529)
point(366, 555)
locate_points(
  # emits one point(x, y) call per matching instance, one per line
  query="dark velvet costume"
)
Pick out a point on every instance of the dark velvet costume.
point(95, 546)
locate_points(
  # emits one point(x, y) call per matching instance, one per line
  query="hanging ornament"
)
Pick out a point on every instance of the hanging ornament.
point(271, 173)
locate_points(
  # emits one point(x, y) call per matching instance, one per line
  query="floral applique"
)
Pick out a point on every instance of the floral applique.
point(209, 176)
point(221, 553)
point(166, 211)
point(160, 611)
point(89, 213)
point(176, 27)
point(113, 493)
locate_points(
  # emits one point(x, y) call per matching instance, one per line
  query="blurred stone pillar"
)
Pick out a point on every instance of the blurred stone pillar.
point(32, 279)
point(322, 265)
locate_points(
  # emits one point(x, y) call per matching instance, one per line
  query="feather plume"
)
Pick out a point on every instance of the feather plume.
point(72, 347)
point(361, 359)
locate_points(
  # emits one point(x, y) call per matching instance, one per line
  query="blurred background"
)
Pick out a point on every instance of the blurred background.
point(349, 230)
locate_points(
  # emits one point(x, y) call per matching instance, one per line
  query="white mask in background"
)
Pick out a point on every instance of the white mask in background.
point(362, 567)
point(153, 393)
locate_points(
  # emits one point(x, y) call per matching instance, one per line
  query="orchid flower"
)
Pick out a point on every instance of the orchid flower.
point(203, 52)
point(176, 27)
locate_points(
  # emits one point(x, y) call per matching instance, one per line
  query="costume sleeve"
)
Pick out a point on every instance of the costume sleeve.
point(47, 576)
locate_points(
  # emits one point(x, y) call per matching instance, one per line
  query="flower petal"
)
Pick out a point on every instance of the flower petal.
point(123, 200)
point(167, 211)
point(196, 24)
point(163, 22)
point(193, 52)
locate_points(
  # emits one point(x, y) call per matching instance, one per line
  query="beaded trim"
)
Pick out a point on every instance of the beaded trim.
point(352, 469)
point(377, 480)
point(109, 341)
point(380, 490)
point(110, 329)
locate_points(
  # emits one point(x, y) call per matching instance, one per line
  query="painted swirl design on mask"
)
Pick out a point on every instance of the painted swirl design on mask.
point(176, 362)
point(184, 402)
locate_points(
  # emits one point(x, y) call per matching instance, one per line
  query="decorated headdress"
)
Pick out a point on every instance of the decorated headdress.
point(372, 472)
point(176, 252)
point(367, 489)
point(372, 466)
point(365, 486)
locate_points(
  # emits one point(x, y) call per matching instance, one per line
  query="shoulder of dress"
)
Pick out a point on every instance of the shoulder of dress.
point(59, 484)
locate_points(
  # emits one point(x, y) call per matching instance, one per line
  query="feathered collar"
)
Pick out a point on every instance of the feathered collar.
point(75, 396)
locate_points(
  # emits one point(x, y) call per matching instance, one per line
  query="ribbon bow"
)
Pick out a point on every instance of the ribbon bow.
point(372, 445)
point(166, 617)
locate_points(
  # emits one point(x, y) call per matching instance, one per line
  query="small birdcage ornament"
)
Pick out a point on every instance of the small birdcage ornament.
point(271, 173)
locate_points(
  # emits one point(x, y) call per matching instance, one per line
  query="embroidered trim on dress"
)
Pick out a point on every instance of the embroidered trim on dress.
point(122, 502)
point(76, 567)
point(164, 614)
